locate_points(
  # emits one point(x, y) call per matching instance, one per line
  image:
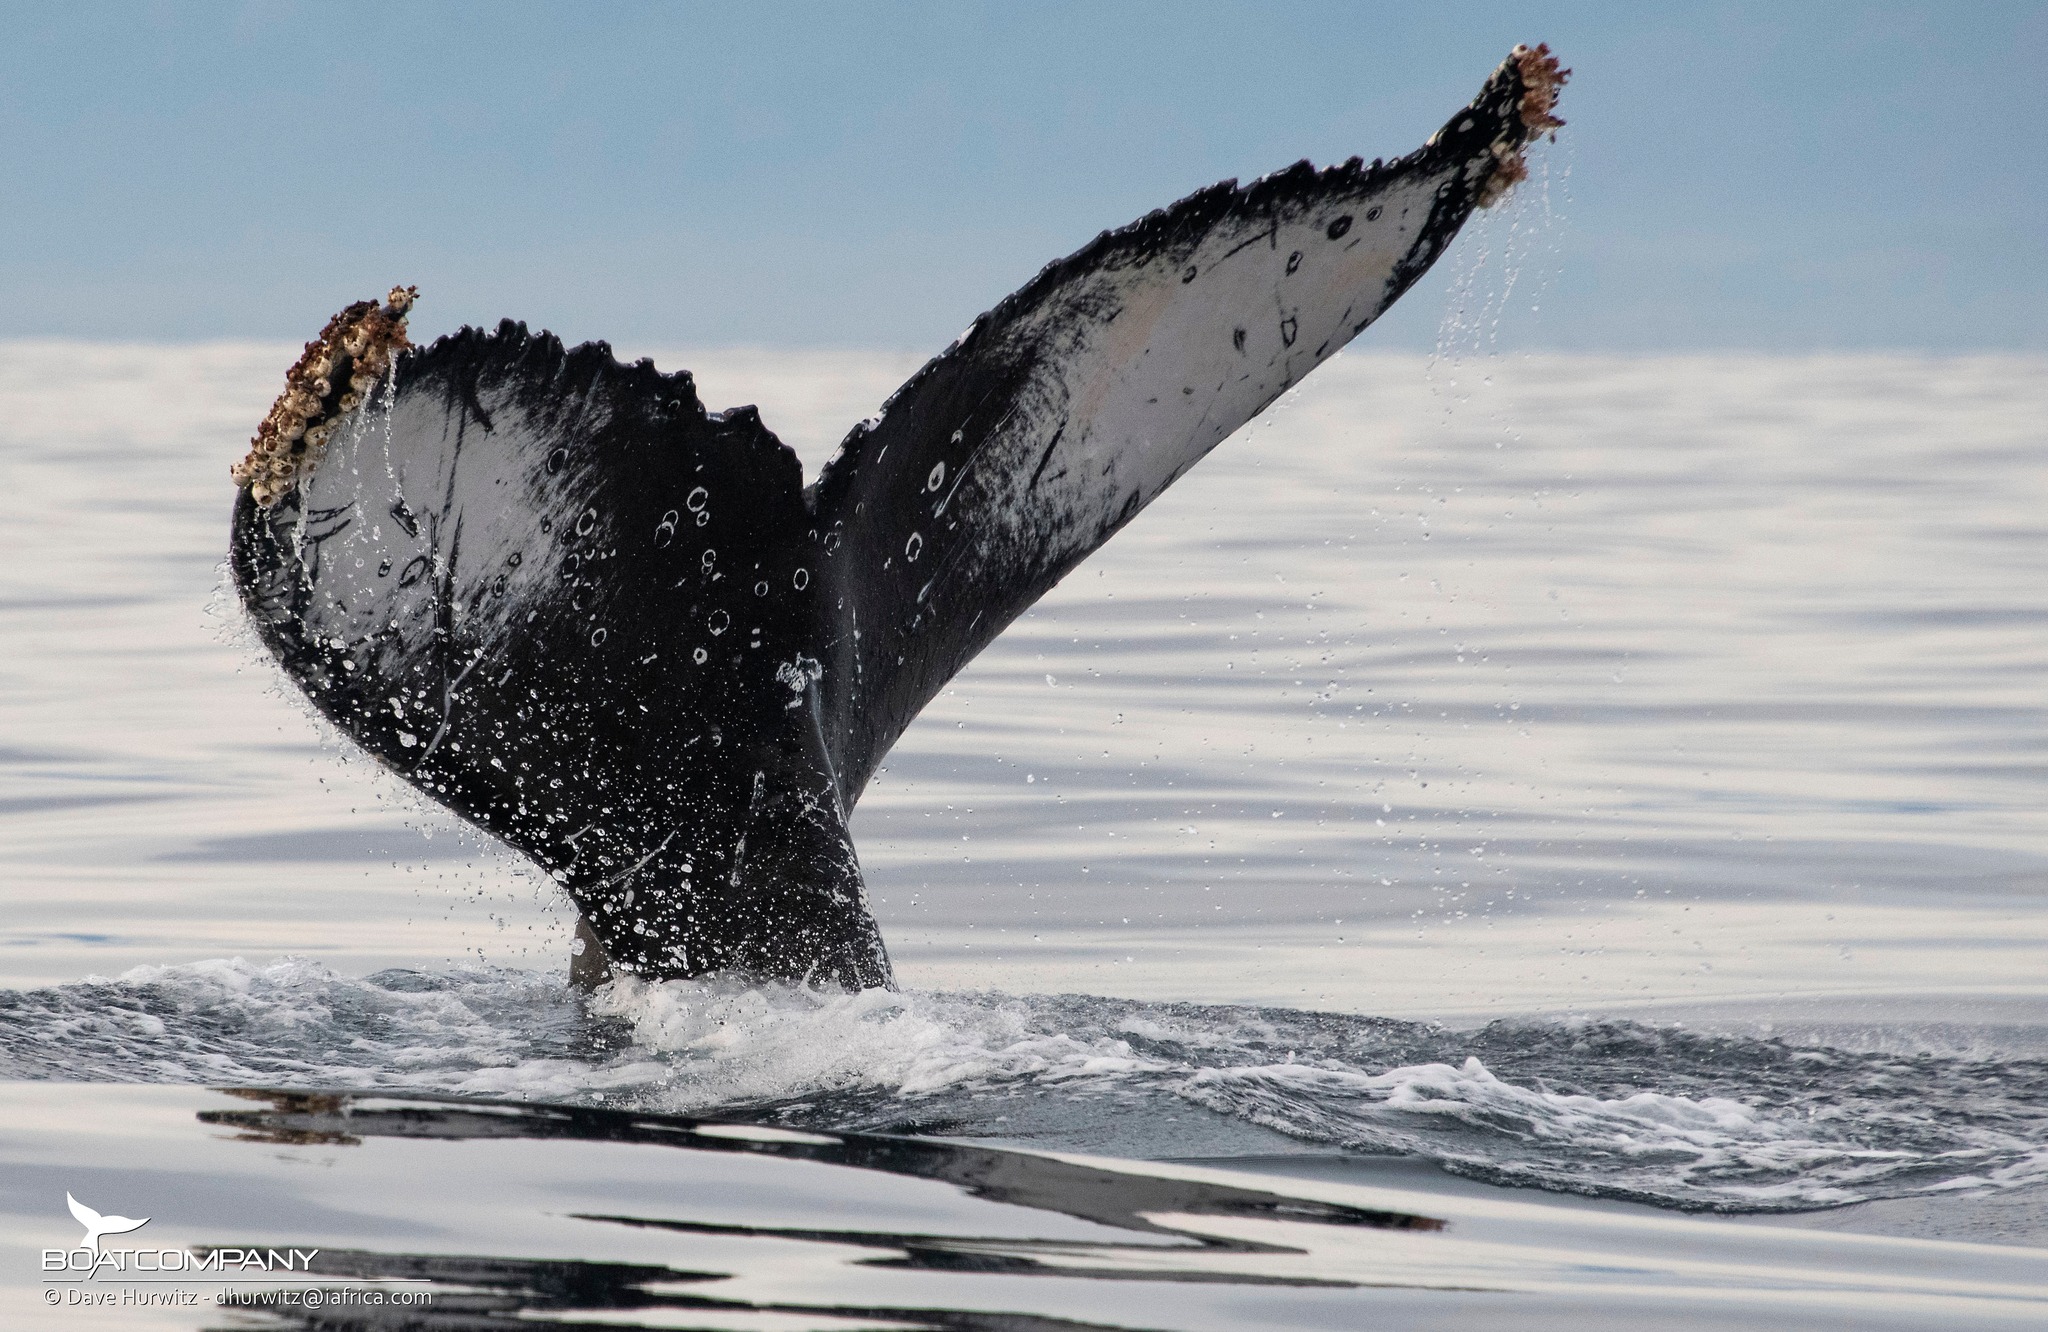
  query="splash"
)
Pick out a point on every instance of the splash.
point(1610, 1109)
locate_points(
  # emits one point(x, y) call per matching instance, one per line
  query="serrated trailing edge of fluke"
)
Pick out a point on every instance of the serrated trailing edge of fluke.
point(332, 377)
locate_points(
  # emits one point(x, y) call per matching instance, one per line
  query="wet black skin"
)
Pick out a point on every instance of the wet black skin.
point(676, 723)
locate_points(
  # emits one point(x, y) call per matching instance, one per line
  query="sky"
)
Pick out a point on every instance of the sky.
point(1775, 177)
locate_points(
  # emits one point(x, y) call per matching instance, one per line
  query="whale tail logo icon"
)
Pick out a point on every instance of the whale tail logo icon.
point(97, 1225)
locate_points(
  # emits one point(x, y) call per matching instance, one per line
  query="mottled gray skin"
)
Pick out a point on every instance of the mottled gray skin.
point(560, 597)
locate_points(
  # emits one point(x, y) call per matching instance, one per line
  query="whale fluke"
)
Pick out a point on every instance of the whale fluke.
point(562, 598)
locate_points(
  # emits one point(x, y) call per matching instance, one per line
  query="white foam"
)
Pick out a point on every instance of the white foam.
point(776, 1042)
point(1617, 1109)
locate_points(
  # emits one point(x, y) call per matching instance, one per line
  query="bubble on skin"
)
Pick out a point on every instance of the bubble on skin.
point(913, 547)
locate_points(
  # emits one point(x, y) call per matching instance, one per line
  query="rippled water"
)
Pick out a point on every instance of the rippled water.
point(1559, 699)
point(1609, 1108)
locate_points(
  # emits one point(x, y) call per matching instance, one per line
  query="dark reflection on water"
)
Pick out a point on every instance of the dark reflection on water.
point(491, 1291)
point(455, 1215)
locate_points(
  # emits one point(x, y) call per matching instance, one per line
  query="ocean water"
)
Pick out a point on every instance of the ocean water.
point(1618, 777)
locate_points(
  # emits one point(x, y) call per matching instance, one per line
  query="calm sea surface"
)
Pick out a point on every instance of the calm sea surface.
point(1620, 776)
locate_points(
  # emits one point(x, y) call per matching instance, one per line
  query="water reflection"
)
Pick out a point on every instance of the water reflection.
point(1163, 1237)
point(438, 1213)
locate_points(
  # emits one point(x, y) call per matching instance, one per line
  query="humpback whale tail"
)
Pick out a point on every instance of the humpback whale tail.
point(614, 629)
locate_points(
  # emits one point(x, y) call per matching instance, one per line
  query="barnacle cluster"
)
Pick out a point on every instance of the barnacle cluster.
point(1542, 80)
point(334, 376)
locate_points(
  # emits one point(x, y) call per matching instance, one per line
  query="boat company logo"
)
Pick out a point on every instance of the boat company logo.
point(97, 1225)
point(95, 1275)
point(91, 1260)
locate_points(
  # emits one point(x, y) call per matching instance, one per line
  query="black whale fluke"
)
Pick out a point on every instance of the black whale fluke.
point(560, 597)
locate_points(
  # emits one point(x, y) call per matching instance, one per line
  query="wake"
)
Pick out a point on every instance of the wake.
point(1606, 1108)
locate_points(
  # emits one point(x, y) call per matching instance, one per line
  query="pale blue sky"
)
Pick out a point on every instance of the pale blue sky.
point(1776, 176)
